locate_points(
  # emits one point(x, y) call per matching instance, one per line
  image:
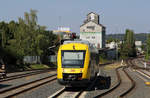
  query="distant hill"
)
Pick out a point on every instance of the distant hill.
point(138, 37)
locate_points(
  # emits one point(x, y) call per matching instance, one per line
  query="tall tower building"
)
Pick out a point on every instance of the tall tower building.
point(93, 31)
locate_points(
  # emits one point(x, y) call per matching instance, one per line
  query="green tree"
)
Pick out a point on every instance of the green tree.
point(148, 47)
point(128, 48)
point(25, 37)
point(4, 33)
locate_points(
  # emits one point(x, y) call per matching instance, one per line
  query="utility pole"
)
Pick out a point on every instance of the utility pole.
point(116, 45)
point(147, 55)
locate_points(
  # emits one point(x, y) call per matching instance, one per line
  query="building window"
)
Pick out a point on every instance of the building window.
point(93, 37)
point(90, 27)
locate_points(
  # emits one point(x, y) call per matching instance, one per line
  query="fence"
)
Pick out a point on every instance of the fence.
point(52, 58)
point(37, 59)
point(32, 59)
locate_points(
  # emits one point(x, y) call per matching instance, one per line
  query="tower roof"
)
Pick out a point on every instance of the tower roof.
point(93, 22)
point(93, 13)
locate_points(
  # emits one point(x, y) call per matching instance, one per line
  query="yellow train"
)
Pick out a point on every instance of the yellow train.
point(77, 63)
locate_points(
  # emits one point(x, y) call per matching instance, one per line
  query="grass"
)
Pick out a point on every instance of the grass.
point(103, 61)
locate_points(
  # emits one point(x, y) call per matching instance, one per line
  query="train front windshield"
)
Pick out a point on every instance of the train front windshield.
point(73, 58)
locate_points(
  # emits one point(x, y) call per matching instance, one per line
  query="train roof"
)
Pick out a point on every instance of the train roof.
point(77, 41)
point(91, 46)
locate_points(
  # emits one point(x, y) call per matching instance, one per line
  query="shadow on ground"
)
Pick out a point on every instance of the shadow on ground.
point(106, 64)
point(101, 83)
point(3, 86)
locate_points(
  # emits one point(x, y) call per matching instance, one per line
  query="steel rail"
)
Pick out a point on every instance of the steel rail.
point(65, 90)
point(144, 73)
point(131, 88)
point(59, 93)
point(25, 75)
point(133, 65)
point(114, 87)
point(79, 92)
point(133, 84)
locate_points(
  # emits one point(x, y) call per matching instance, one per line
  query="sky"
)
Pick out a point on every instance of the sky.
point(115, 15)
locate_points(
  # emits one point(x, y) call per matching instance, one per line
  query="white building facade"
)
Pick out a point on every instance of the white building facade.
point(138, 45)
point(112, 45)
point(92, 31)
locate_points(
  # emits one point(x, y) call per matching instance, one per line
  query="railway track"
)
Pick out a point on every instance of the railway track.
point(20, 89)
point(25, 75)
point(137, 67)
point(121, 88)
point(145, 72)
point(118, 86)
point(73, 92)
point(132, 86)
point(68, 93)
